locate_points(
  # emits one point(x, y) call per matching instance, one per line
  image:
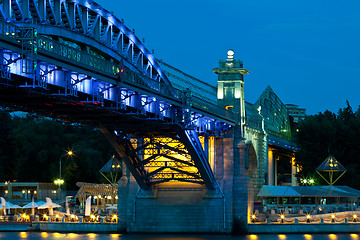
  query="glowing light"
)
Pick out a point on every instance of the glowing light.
point(6, 191)
point(35, 192)
point(72, 235)
point(332, 236)
point(354, 216)
point(282, 216)
point(92, 235)
point(354, 236)
point(44, 234)
point(230, 54)
point(70, 153)
point(23, 191)
point(23, 235)
point(282, 236)
point(115, 235)
point(311, 181)
point(308, 216)
point(253, 236)
point(332, 216)
point(59, 181)
point(253, 216)
point(307, 236)
point(57, 235)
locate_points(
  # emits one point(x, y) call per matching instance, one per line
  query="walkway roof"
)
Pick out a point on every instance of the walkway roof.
point(308, 191)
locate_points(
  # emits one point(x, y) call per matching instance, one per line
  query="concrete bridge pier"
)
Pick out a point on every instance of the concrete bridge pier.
point(188, 207)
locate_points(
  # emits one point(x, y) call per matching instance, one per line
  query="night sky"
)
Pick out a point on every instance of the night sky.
point(307, 51)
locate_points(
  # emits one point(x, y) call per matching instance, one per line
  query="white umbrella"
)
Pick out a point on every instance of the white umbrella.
point(31, 205)
point(111, 208)
point(13, 206)
point(50, 205)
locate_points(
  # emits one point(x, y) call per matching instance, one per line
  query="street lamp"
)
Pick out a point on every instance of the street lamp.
point(60, 181)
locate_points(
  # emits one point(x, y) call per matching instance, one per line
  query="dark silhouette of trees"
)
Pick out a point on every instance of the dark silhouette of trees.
point(30, 150)
point(325, 133)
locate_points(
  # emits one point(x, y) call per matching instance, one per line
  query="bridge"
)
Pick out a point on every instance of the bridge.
point(187, 146)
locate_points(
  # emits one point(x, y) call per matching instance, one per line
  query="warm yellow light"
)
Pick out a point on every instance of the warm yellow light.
point(28, 191)
point(354, 216)
point(354, 236)
point(282, 216)
point(332, 236)
point(308, 216)
point(69, 153)
point(253, 216)
point(253, 236)
point(282, 236)
point(91, 235)
point(116, 197)
point(115, 235)
point(35, 192)
point(72, 235)
point(57, 235)
point(57, 215)
point(6, 191)
point(44, 234)
point(307, 236)
point(99, 196)
point(228, 107)
point(72, 216)
point(332, 216)
point(23, 235)
point(23, 191)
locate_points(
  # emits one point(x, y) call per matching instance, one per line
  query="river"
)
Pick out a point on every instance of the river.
point(91, 236)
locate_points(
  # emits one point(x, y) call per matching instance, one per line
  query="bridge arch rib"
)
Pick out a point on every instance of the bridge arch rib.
point(84, 21)
point(65, 59)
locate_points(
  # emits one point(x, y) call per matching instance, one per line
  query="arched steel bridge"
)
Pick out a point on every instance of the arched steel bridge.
point(73, 60)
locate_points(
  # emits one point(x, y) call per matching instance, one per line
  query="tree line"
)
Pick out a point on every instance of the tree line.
point(30, 151)
point(326, 133)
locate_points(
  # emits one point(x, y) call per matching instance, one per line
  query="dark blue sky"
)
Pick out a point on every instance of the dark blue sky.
point(307, 51)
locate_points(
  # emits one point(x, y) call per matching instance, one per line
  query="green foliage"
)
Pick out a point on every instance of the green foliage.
point(325, 133)
point(30, 151)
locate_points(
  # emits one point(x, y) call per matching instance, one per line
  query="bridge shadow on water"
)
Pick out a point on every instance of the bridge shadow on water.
point(58, 236)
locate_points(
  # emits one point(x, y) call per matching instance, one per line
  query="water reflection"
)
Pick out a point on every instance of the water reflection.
point(76, 236)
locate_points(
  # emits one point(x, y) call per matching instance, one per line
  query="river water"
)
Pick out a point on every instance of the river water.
point(92, 236)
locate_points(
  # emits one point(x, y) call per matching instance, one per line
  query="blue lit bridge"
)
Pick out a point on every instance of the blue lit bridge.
point(74, 61)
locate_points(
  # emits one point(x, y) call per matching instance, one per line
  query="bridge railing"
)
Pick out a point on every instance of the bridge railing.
point(48, 45)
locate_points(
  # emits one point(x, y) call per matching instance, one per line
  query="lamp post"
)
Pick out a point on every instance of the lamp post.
point(60, 181)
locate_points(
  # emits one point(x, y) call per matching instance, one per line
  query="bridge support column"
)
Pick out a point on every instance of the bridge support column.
point(271, 165)
point(293, 172)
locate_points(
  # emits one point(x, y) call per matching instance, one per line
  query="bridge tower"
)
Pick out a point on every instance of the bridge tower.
point(230, 92)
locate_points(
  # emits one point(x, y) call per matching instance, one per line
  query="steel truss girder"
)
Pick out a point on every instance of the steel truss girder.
point(87, 19)
point(187, 168)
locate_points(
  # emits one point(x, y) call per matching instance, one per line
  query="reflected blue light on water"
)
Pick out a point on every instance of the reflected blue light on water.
point(77, 236)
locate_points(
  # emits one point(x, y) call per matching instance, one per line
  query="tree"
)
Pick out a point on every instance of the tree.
point(325, 133)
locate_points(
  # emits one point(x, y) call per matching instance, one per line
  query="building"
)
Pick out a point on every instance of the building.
point(295, 112)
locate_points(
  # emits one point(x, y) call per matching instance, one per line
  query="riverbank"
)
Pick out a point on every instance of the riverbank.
point(77, 227)
point(14, 227)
